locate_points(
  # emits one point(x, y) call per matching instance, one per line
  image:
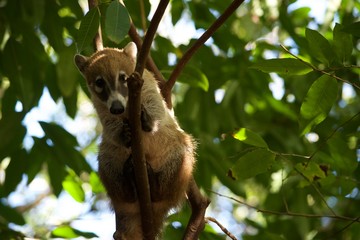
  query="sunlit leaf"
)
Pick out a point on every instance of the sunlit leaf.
point(252, 164)
point(318, 102)
point(73, 186)
point(69, 232)
point(289, 66)
point(96, 184)
point(249, 137)
point(117, 22)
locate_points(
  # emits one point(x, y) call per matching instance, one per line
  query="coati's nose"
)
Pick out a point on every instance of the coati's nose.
point(116, 107)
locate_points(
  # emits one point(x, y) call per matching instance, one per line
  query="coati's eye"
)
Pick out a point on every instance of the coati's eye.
point(99, 84)
point(122, 77)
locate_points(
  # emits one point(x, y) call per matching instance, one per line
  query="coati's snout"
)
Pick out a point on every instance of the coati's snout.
point(117, 107)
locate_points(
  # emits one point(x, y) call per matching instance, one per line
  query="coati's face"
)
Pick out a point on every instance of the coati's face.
point(106, 73)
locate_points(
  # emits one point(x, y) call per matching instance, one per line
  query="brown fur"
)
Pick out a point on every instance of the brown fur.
point(168, 149)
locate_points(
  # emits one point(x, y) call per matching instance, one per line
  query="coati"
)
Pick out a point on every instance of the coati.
point(169, 151)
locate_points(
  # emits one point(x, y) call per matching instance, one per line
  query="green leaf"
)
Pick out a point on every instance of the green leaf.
point(11, 127)
point(343, 159)
point(289, 66)
point(88, 28)
point(192, 76)
point(66, 72)
point(342, 44)
point(14, 172)
point(96, 184)
point(318, 102)
point(38, 155)
point(72, 185)
point(10, 215)
point(319, 46)
point(117, 22)
point(312, 171)
point(249, 137)
point(58, 135)
point(56, 171)
point(353, 29)
point(252, 164)
point(17, 68)
point(69, 232)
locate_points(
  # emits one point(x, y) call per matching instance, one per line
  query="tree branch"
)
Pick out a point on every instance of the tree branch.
point(198, 203)
point(135, 83)
point(149, 62)
point(188, 54)
point(97, 41)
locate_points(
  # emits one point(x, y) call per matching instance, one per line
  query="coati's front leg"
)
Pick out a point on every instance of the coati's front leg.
point(125, 134)
point(147, 122)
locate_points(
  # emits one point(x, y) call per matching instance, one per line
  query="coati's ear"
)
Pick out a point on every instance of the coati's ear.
point(80, 62)
point(131, 50)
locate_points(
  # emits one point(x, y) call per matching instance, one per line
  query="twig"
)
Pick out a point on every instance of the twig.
point(319, 70)
point(229, 234)
point(97, 41)
point(289, 213)
point(190, 52)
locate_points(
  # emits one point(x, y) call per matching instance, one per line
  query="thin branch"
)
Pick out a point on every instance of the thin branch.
point(288, 213)
point(97, 41)
point(229, 234)
point(190, 52)
point(319, 70)
point(145, 49)
point(149, 62)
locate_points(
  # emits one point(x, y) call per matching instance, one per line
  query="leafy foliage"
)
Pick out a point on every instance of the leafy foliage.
point(287, 156)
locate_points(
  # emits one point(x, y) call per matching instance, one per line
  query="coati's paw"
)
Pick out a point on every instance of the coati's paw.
point(125, 135)
point(147, 123)
point(128, 182)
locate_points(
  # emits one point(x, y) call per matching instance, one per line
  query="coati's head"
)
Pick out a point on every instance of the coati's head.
point(106, 73)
